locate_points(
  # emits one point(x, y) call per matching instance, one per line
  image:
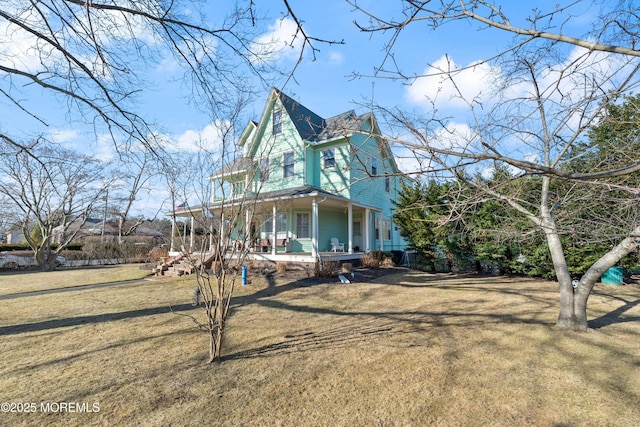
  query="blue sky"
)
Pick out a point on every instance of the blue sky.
point(326, 85)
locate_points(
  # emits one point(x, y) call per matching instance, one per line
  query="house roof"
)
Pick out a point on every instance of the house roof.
point(308, 124)
point(236, 166)
point(311, 127)
point(292, 193)
point(342, 125)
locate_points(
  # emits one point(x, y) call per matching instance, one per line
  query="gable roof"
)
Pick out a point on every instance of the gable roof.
point(311, 127)
point(342, 125)
point(308, 124)
point(236, 166)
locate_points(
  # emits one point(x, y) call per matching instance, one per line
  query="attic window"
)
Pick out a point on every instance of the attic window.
point(387, 184)
point(374, 166)
point(328, 158)
point(277, 122)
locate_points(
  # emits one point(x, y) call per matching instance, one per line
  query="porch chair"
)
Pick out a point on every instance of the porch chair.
point(335, 245)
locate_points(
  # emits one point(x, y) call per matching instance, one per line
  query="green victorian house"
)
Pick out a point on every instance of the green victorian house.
point(309, 186)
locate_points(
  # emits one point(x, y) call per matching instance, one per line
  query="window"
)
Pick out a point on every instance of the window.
point(287, 164)
point(302, 225)
point(374, 166)
point(237, 188)
point(387, 185)
point(264, 169)
point(277, 122)
point(328, 158)
point(281, 223)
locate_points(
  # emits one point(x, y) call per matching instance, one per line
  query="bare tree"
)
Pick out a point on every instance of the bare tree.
point(546, 91)
point(94, 57)
point(54, 190)
point(134, 174)
point(218, 214)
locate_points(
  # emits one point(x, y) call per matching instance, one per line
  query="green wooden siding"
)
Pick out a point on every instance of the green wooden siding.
point(349, 177)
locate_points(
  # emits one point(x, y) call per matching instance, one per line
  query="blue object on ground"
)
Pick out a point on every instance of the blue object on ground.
point(612, 276)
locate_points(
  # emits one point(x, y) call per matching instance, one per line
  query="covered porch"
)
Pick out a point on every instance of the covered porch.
point(304, 225)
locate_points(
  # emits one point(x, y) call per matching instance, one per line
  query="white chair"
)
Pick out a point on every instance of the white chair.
point(335, 245)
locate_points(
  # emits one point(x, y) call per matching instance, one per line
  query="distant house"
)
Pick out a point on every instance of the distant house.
point(317, 185)
point(14, 237)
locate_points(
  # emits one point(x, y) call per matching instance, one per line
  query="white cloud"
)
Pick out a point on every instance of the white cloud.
point(104, 149)
point(448, 84)
point(336, 58)
point(61, 136)
point(281, 41)
point(19, 49)
point(210, 138)
point(456, 136)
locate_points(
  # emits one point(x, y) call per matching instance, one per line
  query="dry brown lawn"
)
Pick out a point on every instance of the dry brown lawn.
point(410, 349)
point(29, 281)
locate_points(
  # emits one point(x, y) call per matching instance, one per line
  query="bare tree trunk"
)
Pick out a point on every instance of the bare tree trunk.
point(567, 317)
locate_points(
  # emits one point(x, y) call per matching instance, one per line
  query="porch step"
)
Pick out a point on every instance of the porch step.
point(181, 265)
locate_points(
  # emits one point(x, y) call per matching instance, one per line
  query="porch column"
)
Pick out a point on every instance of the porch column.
point(350, 227)
point(191, 235)
point(275, 231)
point(211, 236)
point(183, 241)
point(367, 230)
point(381, 231)
point(221, 237)
point(314, 228)
point(247, 229)
point(173, 232)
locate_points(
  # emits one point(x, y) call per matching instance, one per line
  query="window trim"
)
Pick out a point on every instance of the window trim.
point(263, 166)
point(291, 164)
point(307, 226)
point(328, 159)
point(281, 220)
point(237, 189)
point(276, 120)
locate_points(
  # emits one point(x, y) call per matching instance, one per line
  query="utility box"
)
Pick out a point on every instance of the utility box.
point(612, 276)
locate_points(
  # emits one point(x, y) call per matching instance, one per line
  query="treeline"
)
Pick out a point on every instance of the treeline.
point(449, 219)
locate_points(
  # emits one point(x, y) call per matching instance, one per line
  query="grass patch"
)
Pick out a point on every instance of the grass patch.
point(410, 349)
point(29, 281)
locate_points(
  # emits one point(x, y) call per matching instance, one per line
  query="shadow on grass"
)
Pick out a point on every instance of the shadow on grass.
point(614, 316)
point(71, 289)
point(336, 337)
point(80, 354)
point(373, 323)
point(86, 320)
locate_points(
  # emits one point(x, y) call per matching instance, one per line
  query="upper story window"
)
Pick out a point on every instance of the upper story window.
point(374, 166)
point(328, 158)
point(264, 169)
point(287, 164)
point(237, 188)
point(277, 122)
point(387, 184)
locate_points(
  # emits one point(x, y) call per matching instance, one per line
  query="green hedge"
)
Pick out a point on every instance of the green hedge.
point(25, 247)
